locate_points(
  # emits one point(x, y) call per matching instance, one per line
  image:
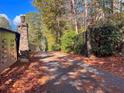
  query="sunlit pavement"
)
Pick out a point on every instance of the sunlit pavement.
point(55, 72)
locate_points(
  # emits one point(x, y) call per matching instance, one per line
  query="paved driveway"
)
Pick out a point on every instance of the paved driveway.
point(56, 73)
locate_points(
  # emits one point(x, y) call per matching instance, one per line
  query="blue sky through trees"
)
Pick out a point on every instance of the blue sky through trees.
point(13, 8)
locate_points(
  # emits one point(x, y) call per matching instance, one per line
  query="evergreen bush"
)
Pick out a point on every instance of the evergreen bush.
point(79, 44)
point(104, 39)
point(67, 41)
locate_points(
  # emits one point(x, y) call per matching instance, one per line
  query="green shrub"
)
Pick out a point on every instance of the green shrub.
point(67, 41)
point(51, 41)
point(79, 44)
point(104, 39)
point(56, 47)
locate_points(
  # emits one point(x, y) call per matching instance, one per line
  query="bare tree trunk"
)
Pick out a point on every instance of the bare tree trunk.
point(74, 13)
point(112, 6)
point(121, 5)
point(123, 49)
point(123, 43)
point(88, 43)
point(87, 23)
point(76, 25)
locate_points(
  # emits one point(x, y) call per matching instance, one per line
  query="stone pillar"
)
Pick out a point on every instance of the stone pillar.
point(24, 44)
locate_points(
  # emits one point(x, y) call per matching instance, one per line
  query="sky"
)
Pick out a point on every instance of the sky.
point(12, 9)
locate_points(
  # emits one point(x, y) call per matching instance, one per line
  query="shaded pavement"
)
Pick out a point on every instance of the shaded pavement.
point(55, 72)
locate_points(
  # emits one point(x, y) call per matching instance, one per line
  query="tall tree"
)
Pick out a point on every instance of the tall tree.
point(35, 30)
point(51, 12)
point(73, 4)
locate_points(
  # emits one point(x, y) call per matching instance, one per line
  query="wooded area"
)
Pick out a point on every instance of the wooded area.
point(78, 26)
point(75, 46)
point(75, 25)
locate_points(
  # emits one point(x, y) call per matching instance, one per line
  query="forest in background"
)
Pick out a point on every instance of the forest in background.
point(68, 29)
point(77, 26)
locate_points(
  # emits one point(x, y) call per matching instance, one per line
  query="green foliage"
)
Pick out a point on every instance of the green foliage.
point(67, 41)
point(117, 20)
point(56, 47)
point(51, 41)
point(72, 42)
point(35, 31)
point(105, 36)
point(51, 11)
point(79, 44)
point(105, 39)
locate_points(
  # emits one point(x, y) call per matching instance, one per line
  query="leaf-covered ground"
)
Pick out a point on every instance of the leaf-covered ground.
point(57, 72)
point(114, 64)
